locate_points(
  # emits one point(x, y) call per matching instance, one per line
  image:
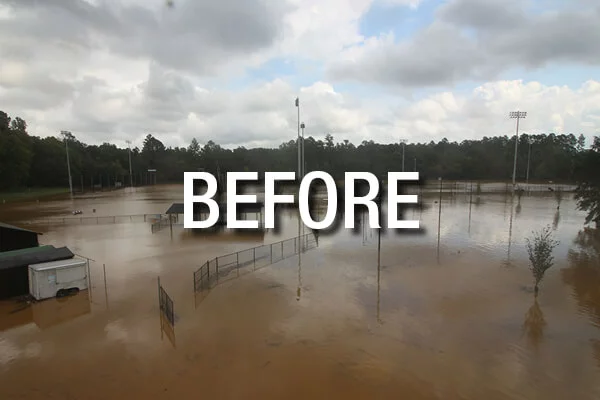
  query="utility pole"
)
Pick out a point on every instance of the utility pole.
point(518, 115)
point(299, 157)
point(66, 135)
point(528, 159)
point(302, 126)
point(403, 142)
point(130, 173)
point(299, 180)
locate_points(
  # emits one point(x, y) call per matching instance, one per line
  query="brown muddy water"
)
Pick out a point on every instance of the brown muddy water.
point(456, 320)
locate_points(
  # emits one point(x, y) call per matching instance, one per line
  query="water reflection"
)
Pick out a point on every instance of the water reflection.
point(556, 219)
point(510, 229)
point(584, 272)
point(166, 329)
point(44, 314)
point(55, 311)
point(534, 324)
point(583, 275)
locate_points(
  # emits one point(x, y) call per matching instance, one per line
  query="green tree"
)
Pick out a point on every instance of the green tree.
point(587, 193)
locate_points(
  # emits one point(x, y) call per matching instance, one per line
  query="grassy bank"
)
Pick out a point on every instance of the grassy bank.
point(30, 194)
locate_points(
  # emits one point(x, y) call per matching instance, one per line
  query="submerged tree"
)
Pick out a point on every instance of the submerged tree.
point(540, 250)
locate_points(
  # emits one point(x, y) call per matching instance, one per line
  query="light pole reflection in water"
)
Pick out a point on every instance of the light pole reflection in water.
point(439, 220)
point(470, 206)
point(510, 228)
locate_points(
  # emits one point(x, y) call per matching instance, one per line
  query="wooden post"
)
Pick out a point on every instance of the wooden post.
point(89, 279)
point(254, 257)
point(105, 286)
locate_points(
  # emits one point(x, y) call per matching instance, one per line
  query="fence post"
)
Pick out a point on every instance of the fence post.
point(254, 257)
point(238, 262)
point(217, 261)
point(159, 296)
point(271, 248)
point(282, 249)
point(105, 286)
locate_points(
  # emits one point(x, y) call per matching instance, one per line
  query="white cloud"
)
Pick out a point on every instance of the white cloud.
point(474, 40)
point(111, 70)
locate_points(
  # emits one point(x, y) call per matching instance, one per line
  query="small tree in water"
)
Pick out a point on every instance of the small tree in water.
point(540, 254)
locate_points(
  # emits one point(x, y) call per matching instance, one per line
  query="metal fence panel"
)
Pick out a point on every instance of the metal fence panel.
point(166, 305)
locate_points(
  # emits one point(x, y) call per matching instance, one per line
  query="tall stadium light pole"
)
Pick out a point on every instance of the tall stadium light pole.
point(65, 135)
point(130, 173)
point(403, 142)
point(518, 115)
point(299, 180)
point(528, 160)
point(299, 160)
point(302, 126)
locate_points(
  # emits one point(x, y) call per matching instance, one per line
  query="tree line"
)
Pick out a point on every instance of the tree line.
point(31, 161)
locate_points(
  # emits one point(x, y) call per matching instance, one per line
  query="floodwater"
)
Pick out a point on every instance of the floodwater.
point(449, 314)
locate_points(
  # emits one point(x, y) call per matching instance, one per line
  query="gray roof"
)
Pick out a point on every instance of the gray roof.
point(16, 228)
point(33, 255)
point(58, 264)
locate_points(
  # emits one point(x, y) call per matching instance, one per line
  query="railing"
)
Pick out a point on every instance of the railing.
point(94, 220)
point(220, 268)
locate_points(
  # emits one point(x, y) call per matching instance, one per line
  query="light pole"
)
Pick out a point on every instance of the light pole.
point(302, 126)
point(528, 159)
point(299, 160)
point(403, 142)
point(518, 115)
point(66, 135)
point(130, 173)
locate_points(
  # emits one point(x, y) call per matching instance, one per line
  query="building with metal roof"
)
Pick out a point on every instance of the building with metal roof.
point(14, 238)
point(14, 277)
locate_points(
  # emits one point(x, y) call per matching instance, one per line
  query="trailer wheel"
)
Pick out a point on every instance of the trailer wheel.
point(62, 293)
point(73, 291)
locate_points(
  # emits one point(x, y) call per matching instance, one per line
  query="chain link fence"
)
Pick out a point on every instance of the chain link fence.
point(231, 266)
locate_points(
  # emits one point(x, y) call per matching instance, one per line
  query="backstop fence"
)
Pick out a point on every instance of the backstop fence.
point(95, 220)
point(160, 224)
point(231, 266)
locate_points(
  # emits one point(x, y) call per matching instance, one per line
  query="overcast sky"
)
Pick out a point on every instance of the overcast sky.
point(230, 70)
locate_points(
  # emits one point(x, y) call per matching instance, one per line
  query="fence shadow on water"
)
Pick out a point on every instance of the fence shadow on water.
point(231, 266)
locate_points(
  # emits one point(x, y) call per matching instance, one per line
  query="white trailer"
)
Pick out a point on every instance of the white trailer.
point(55, 278)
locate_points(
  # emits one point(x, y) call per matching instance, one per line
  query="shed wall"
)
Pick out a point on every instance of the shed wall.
point(12, 239)
point(14, 282)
